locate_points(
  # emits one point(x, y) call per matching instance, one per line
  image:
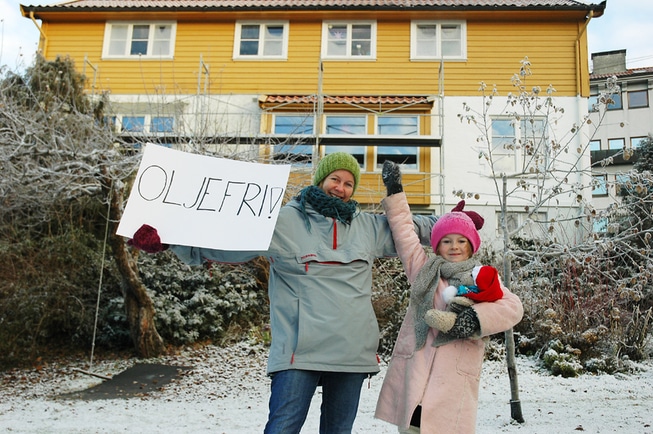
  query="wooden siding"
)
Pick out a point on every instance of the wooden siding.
point(494, 52)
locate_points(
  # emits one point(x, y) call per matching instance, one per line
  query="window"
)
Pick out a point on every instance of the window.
point(616, 143)
point(144, 124)
point(358, 152)
point(637, 142)
point(600, 225)
point(293, 125)
point(616, 102)
point(638, 98)
point(261, 40)
point(347, 125)
point(600, 185)
point(340, 124)
point(436, 40)
point(519, 145)
point(355, 40)
point(595, 145)
point(298, 151)
point(593, 100)
point(139, 40)
point(133, 124)
point(162, 124)
point(406, 156)
point(503, 146)
point(530, 227)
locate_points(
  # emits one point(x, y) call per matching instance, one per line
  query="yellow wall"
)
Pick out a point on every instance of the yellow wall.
point(494, 51)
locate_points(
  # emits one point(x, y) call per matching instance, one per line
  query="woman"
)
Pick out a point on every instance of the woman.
point(324, 330)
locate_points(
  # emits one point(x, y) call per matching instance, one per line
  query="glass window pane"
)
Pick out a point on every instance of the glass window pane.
point(249, 48)
point(451, 40)
point(133, 124)
point(141, 31)
point(358, 152)
point(426, 40)
point(299, 154)
point(337, 40)
point(162, 124)
point(638, 99)
point(118, 43)
point(616, 102)
point(249, 31)
point(406, 156)
point(345, 125)
point(616, 143)
point(636, 142)
point(593, 103)
point(595, 145)
point(600, 185)
point(138, 47)
point(273, 48)
point(398, 125)
point(293, 124)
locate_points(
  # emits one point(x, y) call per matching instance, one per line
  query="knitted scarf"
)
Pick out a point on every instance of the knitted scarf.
point(426, 281)
point(326, 205)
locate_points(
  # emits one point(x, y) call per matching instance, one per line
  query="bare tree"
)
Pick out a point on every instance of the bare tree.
point(56, 153)
point(561, 256)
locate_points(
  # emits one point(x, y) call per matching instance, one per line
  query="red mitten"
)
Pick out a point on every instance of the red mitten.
point(147, 239)
point(487, 280)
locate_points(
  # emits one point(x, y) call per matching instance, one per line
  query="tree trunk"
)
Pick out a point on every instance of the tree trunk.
point(138, 304)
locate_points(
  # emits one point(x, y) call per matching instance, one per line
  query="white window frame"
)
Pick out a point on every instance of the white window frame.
point(263, 42)
point(417, 39)
point(350, 52)
point(515, 158)
point(110, 40)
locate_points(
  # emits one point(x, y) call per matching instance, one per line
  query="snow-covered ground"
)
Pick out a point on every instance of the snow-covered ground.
point(227, 392)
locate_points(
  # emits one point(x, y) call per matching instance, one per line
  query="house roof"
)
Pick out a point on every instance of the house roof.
point(360, 99)
point(629, 73)
point(243, 5)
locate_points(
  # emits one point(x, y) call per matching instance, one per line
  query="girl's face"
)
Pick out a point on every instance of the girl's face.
point(455, 248)
point(340, 184)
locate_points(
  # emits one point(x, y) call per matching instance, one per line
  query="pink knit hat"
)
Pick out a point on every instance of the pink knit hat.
point(465, 223)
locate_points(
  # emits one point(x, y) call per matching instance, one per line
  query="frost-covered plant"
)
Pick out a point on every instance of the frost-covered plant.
point(194, 304)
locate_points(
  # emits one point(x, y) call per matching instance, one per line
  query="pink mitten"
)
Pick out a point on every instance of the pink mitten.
point(487, 280)
point(147, 239)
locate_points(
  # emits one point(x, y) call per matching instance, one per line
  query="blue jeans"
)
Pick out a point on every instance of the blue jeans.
point(292, 391)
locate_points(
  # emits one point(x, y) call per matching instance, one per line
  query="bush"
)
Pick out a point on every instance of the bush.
point(48, 293)
point(200, 303)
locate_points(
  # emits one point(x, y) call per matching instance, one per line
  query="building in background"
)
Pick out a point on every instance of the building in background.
point(294, 80)
point(625, 122)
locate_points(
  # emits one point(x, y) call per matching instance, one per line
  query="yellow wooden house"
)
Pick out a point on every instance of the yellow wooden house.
point(381, 79)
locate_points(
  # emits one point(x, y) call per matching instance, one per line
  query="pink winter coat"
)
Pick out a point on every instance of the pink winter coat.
point(444, 380)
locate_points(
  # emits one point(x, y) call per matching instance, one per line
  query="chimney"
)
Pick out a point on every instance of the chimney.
point(609, 62)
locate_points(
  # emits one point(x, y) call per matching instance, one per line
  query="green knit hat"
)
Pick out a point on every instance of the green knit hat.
point(336, 161)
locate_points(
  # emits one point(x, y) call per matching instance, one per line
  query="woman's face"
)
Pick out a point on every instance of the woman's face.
point(455, 248)
point(340, 184)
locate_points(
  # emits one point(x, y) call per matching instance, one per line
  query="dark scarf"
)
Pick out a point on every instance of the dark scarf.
point(326, 205)
point(426, 281)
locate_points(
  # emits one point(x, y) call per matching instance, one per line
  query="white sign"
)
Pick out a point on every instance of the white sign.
point(201, 201)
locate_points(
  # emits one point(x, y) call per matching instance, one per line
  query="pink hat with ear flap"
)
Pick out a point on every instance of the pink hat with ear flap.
point(465, 223)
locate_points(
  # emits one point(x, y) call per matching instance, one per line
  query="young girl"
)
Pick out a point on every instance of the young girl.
point(432, 380)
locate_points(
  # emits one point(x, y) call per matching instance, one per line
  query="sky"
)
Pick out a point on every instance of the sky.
point(626, 24)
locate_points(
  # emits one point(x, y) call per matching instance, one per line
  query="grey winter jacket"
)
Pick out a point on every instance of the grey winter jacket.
point(320, 287)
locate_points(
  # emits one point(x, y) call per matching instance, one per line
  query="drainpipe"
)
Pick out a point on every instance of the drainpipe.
point(579, 81)
point(44, 39)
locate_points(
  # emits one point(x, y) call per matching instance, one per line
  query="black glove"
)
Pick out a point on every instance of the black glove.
point(391, 175)
point(466, 325)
